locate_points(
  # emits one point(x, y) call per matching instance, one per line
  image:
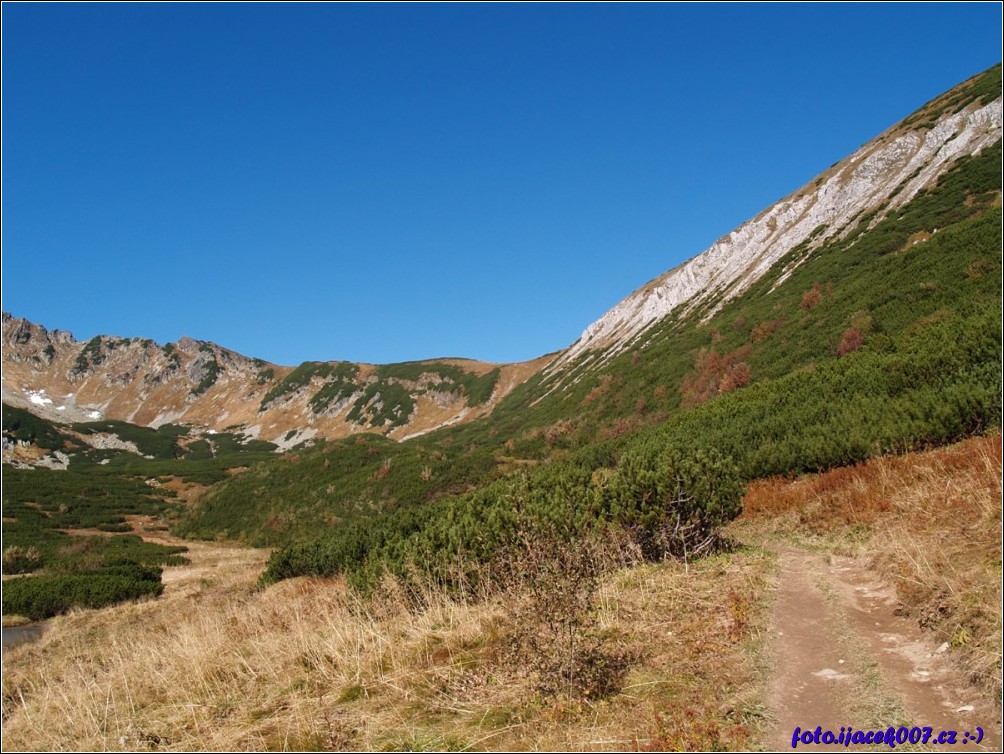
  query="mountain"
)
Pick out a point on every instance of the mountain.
point(673, 343)
point(215, 389)
point(877, 333)
point(877, 179)
point(858, 317)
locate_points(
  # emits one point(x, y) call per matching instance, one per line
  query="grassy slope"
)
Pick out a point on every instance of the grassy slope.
point(306, 665)
point(901, 298)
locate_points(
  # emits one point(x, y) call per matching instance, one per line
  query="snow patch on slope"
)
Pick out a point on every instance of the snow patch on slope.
point(39, 398)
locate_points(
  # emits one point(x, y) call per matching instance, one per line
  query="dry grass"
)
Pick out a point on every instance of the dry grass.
point(928, 522)
point(218, 665)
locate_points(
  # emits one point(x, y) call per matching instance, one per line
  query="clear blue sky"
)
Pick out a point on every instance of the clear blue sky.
point(392, 182)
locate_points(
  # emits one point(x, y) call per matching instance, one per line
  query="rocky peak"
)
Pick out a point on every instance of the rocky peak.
point(27, 342)
point(205, 385)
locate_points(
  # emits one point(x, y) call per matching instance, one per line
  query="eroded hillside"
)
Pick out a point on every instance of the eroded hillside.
point(869, 185)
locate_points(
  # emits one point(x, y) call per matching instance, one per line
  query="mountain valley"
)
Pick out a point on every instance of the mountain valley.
point(588, 550)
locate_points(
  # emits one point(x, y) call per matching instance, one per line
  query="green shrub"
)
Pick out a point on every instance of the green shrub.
point(339, 372)
point(41, 597)
point(382, 403)
point(24, 425)
point(89, 355)
point(21, 559)
point(213, 372)
point(668, 503)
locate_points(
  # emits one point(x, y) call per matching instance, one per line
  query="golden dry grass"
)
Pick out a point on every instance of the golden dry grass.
point(216, 664)
point(929, 523)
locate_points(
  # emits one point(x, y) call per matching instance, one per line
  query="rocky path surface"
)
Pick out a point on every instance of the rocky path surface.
point(844, 658)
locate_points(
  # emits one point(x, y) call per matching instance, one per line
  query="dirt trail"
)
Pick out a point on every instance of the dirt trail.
point(845, 658)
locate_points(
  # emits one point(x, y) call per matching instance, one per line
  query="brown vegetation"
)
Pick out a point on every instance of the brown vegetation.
point(715, 374)
point(851, 340)
point(811, 298)
point(600, 390)
point(765, 329)
point(929, 523)
point(582, 660)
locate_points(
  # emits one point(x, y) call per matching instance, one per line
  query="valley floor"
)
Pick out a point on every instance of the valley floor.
point(814, 620)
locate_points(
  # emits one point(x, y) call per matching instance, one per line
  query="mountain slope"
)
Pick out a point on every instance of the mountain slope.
point(882, 340)
point(878, 178)
point(882, 336)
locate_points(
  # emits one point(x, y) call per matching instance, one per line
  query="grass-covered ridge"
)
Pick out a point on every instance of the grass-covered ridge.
point(444, 377)
point(876, 282)
point(340, 372)
point(387, 398)
point(983, 89)
point(391, 399)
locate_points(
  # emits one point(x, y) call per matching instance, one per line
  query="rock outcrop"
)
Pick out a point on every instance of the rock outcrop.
point(881, 176)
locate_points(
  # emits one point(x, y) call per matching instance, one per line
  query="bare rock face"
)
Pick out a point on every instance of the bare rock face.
point(29, 343)
point(882, 175)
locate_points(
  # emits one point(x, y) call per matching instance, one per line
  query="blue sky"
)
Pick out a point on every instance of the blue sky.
point(392, 182)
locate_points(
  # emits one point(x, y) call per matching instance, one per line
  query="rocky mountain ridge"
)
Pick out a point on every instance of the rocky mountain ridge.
point(213, 388)
point(878, 178)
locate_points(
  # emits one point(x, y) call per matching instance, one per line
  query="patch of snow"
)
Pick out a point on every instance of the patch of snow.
point(39, 398)
point(94, 414)
point(211, 432)
point(61, 408)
